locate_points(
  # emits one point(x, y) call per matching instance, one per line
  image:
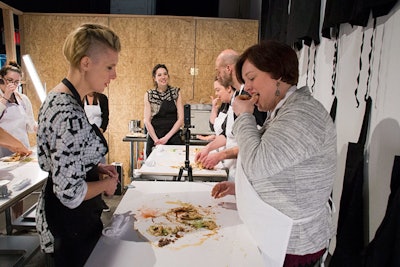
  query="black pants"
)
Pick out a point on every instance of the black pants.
point(73, 252)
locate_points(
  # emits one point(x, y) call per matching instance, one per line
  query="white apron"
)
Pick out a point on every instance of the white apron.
point(15, 121)
point(230, 142)
point(93, 113)
point(269, 227)
point(219, 120)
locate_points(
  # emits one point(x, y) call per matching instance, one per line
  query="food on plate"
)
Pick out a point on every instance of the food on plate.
point(17, 157)
point(197, 150)
point(149, 213)
point(195, 165)
point(162, 230)
point(198, 165)
point(190, 215)
point(165, 241)
point(176, 222)
point(13, 158)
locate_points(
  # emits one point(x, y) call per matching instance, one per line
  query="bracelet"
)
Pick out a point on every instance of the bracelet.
point(8, 100)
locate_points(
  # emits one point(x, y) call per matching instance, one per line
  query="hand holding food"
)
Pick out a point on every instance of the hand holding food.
point(216, 102)
point(211, 161)
point(200, 155)
point(244, 97)
point(10, 87)
point(111, 177)
point(244, 104)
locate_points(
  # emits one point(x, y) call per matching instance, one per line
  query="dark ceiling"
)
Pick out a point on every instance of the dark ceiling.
point(70, 6)
point(203, 8)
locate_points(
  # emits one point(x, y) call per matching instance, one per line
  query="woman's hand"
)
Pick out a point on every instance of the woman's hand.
point(108, 170)
point(211, 160)
point(215, 103)
point(110, 176)
point(200, 156)
point(9, 89)
point(110, 186)
point(161, 141)
point(244, 104)
point(206, 137)
point(21, 150)
point(222, 189)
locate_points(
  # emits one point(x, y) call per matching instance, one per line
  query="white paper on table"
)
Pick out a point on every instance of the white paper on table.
point(119, 224)
point(269, 227)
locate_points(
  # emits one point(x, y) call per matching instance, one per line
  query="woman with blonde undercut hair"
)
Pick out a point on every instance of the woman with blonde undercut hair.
point(70, 150)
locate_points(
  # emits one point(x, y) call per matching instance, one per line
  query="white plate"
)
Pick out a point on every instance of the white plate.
point(136, 135)
point(7, 165)
point(158, 204)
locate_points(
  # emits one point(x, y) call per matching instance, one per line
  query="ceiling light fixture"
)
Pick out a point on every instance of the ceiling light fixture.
point(40, 90)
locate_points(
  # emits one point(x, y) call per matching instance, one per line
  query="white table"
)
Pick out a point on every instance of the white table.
point(134, 150)
point(166, 160)
point(232, 245)
point(17, 172)
point(135, 139)
point(18, 250)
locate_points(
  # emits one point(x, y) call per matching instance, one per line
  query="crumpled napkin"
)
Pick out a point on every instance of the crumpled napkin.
point(22, 184)
point(119, 224)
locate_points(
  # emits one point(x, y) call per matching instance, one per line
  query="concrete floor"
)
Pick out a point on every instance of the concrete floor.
point(38, 259)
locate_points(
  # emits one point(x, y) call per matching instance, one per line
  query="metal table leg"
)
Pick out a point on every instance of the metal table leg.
point(132, 161)
point(9, 226)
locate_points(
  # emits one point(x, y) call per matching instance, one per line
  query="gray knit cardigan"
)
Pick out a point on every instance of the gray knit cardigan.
point(291, 163)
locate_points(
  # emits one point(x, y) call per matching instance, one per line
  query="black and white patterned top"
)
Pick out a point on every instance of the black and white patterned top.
point(67, 148)
point(156, 98)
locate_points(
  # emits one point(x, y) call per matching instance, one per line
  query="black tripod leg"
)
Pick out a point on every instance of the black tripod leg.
point(180, 173)
point(190, 174)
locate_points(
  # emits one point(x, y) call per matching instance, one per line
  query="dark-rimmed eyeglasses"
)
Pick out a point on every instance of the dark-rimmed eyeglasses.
point(16, 82)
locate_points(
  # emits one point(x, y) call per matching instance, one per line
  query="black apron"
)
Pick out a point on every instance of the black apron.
point(163, 122)
point(76, 231)
point(350, 230)
point(384, 249)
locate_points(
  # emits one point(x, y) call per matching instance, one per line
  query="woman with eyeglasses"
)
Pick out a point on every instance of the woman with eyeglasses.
point(16, 115)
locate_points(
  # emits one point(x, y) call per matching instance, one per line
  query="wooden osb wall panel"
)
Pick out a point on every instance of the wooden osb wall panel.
point(146, 41)
point(181, 43)
point(213, 36)
point(42, 37)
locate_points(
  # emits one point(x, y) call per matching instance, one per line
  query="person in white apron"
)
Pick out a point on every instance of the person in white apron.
point(230, 163)
point(285, 170)
point(16, 115)
point(10, 142)
point(220, 105)
point(96, 109)
point(226, 75)
point(225, 96)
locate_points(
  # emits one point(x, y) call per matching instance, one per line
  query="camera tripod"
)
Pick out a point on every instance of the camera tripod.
point(187, 166)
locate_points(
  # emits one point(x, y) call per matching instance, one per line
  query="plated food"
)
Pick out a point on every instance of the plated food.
point(16, 157)
point(13, 160)
point(165, 227)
